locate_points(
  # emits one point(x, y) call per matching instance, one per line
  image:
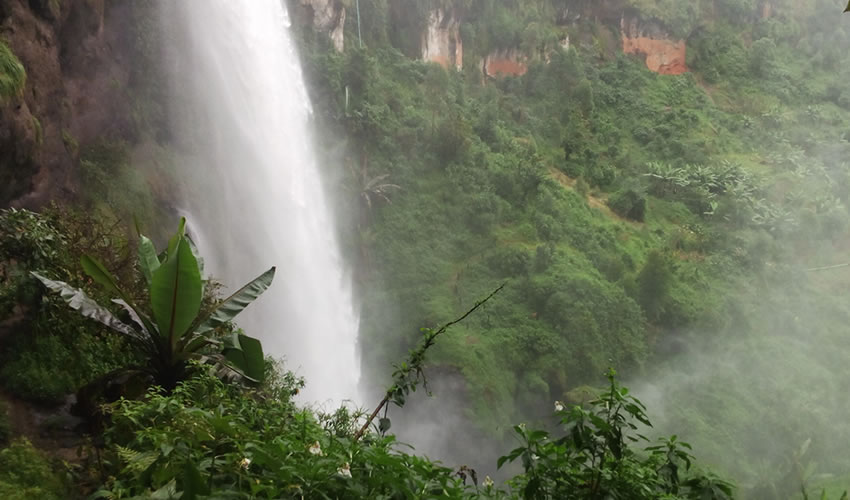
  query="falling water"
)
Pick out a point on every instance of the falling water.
point(254, 193)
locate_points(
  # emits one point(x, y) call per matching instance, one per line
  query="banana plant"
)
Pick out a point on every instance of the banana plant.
point(173, 330)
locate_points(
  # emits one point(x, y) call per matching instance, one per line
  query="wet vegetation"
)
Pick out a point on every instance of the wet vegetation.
point(671, 226)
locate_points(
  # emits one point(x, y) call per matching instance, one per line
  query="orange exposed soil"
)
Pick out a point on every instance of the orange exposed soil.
point(663, 56)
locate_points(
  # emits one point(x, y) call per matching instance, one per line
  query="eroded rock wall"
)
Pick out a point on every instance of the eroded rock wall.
point(328, 16)
point(510, 62)
point(441, 42)
point(75, 93)
point(664, 54)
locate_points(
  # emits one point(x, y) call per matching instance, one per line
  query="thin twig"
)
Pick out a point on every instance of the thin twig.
point(828, 267)
point(429, 341)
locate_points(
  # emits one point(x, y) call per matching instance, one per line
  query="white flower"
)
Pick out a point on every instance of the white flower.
point(522, 426)
point(316, 449)
point(488, 483)
point(345, 470)
point(534, 457)
point(245, 463)
point(559, 406)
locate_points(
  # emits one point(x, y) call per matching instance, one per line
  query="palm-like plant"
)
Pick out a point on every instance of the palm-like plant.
point(373, 189)
point(173, 330)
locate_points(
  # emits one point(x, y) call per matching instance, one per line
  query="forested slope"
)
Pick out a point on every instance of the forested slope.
point(655, 211)
point(661, 185)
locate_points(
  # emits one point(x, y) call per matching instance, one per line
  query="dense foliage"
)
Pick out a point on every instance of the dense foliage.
point(648, 221)
point(206, 436)
point(209, 439)
point(663, 224)
point(48, 351)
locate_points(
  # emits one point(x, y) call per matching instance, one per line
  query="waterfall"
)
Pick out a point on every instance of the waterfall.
point(254, 196)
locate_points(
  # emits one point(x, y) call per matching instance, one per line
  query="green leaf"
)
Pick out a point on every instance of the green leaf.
point(100, 274)
point(78, 300)
point(384, 425)
point(847, 9)
point(196, 253)
point(246, 355)
point(142, 321)
point(173, 243)
point(193, 483)
point(176, 292)
point(196, 342)
point(148, 260)
point(236, 303)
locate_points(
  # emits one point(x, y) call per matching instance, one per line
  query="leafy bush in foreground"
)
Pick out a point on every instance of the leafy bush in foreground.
point(209, 439)
point(595, 457)
point(51, 351)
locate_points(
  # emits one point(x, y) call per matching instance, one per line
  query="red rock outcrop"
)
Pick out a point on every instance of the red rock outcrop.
point(441, 41)
point(663, 54)
point(510, 62)
point(766, 9)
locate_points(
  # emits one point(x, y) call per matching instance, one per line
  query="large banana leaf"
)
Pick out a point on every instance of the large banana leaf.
point(176, 292)
point(81, 302)
point(175, 240)
point(142, 321)
point(246, 355)
point(101, 275)
point(196, 253)
point(236, 303)
point(148, 260)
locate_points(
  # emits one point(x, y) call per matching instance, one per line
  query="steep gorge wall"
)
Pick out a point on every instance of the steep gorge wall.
point(441, 42)
point(664, 54)
point(510, 62)
point(75, 93)
point(325, 16)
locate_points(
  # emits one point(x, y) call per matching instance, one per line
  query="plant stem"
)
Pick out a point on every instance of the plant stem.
point(420, 353)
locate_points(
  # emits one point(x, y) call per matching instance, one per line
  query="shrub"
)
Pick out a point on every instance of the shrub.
point(510, 262)
point(596, 456)
point(59, 355)
point(26, 474)
point(629, 203)
point(52, 350)
point(654, 283)
point(214, 439)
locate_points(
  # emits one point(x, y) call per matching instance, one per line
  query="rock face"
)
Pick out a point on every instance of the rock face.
point(663, 54)
point(328, 16)
point(765, 9)
point(441, 41)
point(75, 90)
point(510, 62)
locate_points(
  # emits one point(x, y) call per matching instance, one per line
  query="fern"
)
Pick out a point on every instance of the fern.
point(137, 461)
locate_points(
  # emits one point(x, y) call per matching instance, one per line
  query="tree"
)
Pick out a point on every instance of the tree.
point(654, 282)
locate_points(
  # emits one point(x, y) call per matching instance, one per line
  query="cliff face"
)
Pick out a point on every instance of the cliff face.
point(75, 94)
point(509, 62)
point(663, 54)
point(441, 41)
point(326, 16)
